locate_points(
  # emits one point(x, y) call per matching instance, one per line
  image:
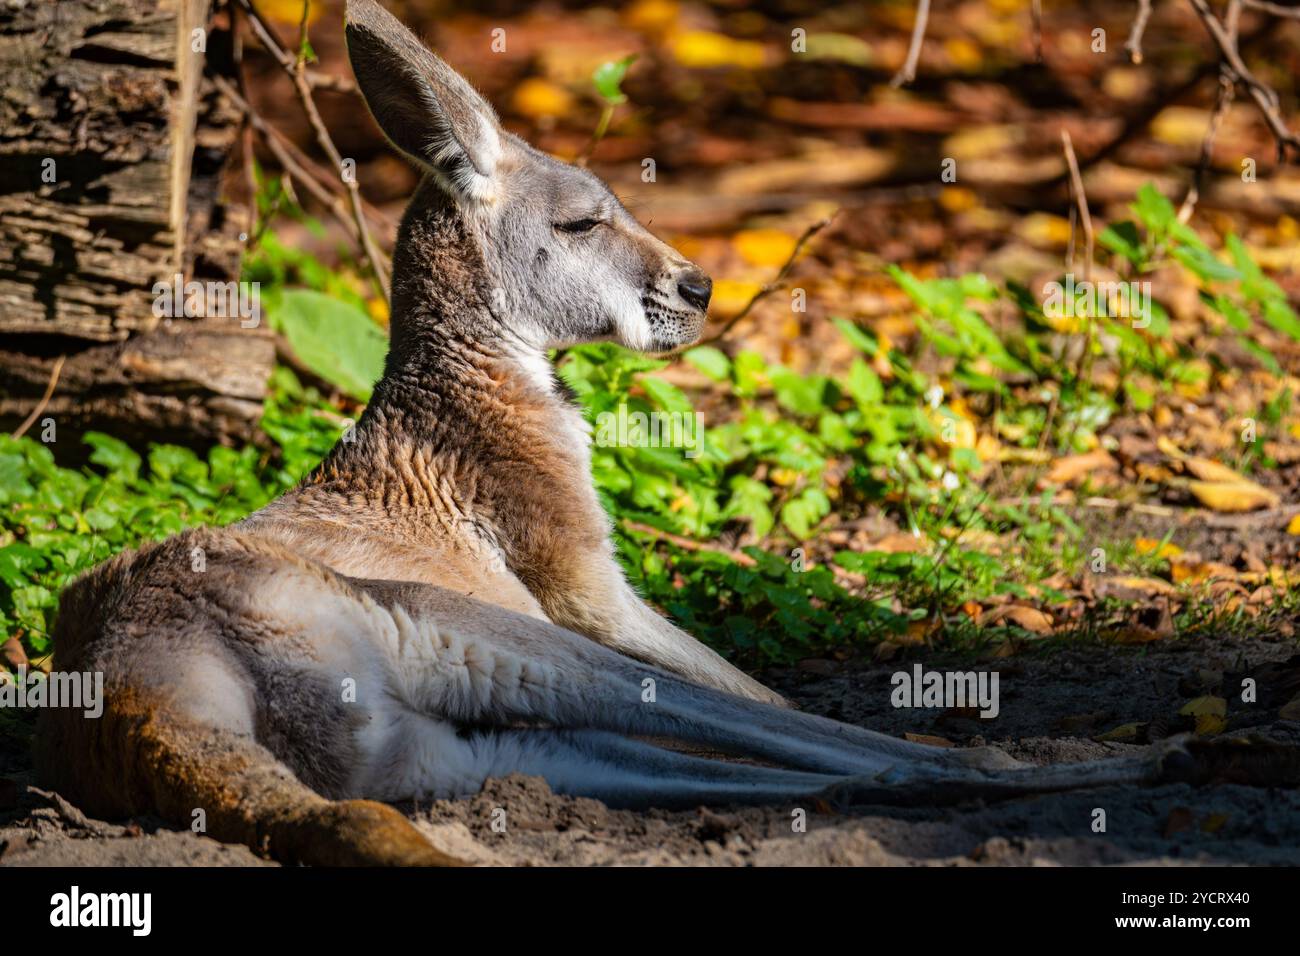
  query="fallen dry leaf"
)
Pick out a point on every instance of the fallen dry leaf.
point(900, 542)
point(1207, 705)
point(1123, 733)
point(1161, 549)
point(1233, 496)
point(1074, 468)
point(1029, 618)
point(1208, 725)
point(1131, 587)
point(930, 739)
point(1208, 470)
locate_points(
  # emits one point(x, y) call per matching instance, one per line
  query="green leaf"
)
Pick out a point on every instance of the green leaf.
point(864, 385)
point(712, 362)
point(800, 515)
point(608, 79)
point(1153, 210)
point(337, 341)
point(113, 454)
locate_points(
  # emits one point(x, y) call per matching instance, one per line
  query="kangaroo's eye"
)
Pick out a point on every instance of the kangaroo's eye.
point(578, 225)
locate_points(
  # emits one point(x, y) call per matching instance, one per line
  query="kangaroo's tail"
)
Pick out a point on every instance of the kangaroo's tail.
point(141, 757)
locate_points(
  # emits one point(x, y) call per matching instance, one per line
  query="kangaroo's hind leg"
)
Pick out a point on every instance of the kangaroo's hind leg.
point(460, 662)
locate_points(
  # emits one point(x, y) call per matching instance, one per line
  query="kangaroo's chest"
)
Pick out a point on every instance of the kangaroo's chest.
point(468, 566)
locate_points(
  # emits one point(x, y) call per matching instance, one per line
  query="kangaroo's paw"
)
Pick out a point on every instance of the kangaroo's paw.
point(355, 833)
point(1248, 761)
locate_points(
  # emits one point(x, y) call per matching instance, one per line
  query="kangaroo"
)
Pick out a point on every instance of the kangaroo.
point(438, 602)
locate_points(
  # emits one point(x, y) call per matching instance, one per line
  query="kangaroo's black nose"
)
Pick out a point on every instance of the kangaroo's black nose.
point(695, 288)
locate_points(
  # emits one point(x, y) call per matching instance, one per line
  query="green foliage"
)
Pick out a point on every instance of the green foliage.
point(57, 522)
point(608, 80)
point(336, 340)
point(790, 454)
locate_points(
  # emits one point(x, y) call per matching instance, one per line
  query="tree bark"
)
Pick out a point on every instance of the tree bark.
point(116, 151)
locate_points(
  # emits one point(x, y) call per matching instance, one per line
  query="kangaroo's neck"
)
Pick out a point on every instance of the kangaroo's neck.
point(468, 420)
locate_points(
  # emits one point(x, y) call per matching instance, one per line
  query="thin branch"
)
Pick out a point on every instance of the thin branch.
point(1265, 97)
point(1134, 44)
point(1274, 8)
point(907, 73)
point(1076, 182)
point(45, 399)
point(1084, 370)
point(289, 160)
point(1227, 90)
point(296, 69)
point(775, 284)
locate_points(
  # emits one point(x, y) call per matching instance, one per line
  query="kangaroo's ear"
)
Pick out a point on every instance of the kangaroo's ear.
point(428, 110)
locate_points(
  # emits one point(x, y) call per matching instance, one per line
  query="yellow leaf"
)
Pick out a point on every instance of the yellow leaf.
point(652, 16)
point(785, 477)
point(957, 199)
point(1180, 125)
point(537, 98)
point(1072, 468)
point(1293, 526)
point(1233, 496)
point(1207, 725)
point(1123, 732)
point(1029, 618)
point(1208, 470)
point(288, 11)
point(963, 54)
point(1161, 549)
point(730, 296)
point(701, 49)
point(1169, 449)
point(764, 247)
point(1208, 705)
point(1198, 572)
point(1044, 230)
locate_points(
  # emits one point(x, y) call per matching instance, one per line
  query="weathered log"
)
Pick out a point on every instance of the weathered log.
point(115, 147)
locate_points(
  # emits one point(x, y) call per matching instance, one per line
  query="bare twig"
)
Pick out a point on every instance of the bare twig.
point(45, 399)
point(775, 284)
point(1085, 219)
point(296, 69)
point(1227, 89)
point(1134, 44)
point(907, 72)
point(740, 557)
point(688, 544)
point(1274, 8)
point(1076, 183)
point(291, 160)
point(1265, 97)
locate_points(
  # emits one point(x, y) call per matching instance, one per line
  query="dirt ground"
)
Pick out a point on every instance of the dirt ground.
point(1052, 706)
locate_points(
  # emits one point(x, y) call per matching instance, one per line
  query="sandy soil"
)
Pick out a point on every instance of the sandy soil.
point(1052, 706)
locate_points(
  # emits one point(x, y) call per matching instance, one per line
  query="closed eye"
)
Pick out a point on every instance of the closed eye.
point(578, 225)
